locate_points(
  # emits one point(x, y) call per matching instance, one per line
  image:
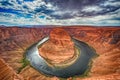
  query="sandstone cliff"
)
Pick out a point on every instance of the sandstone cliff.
point(106, 41)
point(59, 48)
point(7, 73)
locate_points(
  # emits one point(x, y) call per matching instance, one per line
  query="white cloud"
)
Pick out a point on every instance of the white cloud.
point(34, 4)
point(97, 20)
point(48, 20)
point(14, 5)
point(92, 9)
point(31, 6)
point(111, 3)
point(37, 4)
point(16, 20)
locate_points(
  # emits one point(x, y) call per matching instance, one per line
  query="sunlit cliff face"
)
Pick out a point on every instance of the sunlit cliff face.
point(59, 48)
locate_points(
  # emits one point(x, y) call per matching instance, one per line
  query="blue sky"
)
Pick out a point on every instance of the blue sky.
point(60, 12)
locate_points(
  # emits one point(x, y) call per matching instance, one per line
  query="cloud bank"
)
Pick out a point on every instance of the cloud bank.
point(60, 12)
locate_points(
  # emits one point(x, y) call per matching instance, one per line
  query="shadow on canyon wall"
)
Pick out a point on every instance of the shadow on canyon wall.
point(106, 41)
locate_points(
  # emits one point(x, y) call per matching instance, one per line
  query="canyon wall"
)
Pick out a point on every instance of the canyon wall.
point(106, 41)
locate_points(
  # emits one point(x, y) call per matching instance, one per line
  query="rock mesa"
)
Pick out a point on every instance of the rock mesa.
point(59, 48)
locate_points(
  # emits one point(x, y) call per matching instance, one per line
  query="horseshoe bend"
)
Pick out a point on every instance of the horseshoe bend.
point(59, 49)
point(54, 53)
point(59, 54)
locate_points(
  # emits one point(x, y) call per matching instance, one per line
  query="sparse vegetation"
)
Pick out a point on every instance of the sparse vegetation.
point(24, 63)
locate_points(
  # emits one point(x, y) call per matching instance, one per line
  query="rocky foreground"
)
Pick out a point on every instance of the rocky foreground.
point(14, 42)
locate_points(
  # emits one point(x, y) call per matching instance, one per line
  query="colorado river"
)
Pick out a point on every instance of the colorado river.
point(77, 68)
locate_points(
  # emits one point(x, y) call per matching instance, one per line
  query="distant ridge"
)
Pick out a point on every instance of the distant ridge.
point(49, 26)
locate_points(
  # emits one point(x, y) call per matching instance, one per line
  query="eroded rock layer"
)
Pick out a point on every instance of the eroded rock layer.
point(7, 73)
point(59, 48)
point(106, 41)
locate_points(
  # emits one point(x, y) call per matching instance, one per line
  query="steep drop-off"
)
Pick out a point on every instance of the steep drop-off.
point(106, 41)
point(7, 73)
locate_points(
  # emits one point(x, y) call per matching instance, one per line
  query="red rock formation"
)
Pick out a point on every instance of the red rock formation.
point(60, 37)
point(30, 73)
point(59, 48)
point(106, 41)
point(104, 77)
point(14, 41)
point(6, 73)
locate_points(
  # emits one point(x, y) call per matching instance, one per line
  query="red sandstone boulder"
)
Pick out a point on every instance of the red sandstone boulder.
point(59, 48)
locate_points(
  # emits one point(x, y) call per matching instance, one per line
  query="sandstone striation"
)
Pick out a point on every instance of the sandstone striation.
point(14, 42)
point(59, 48)
point(7, 73)
point(106, 41)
